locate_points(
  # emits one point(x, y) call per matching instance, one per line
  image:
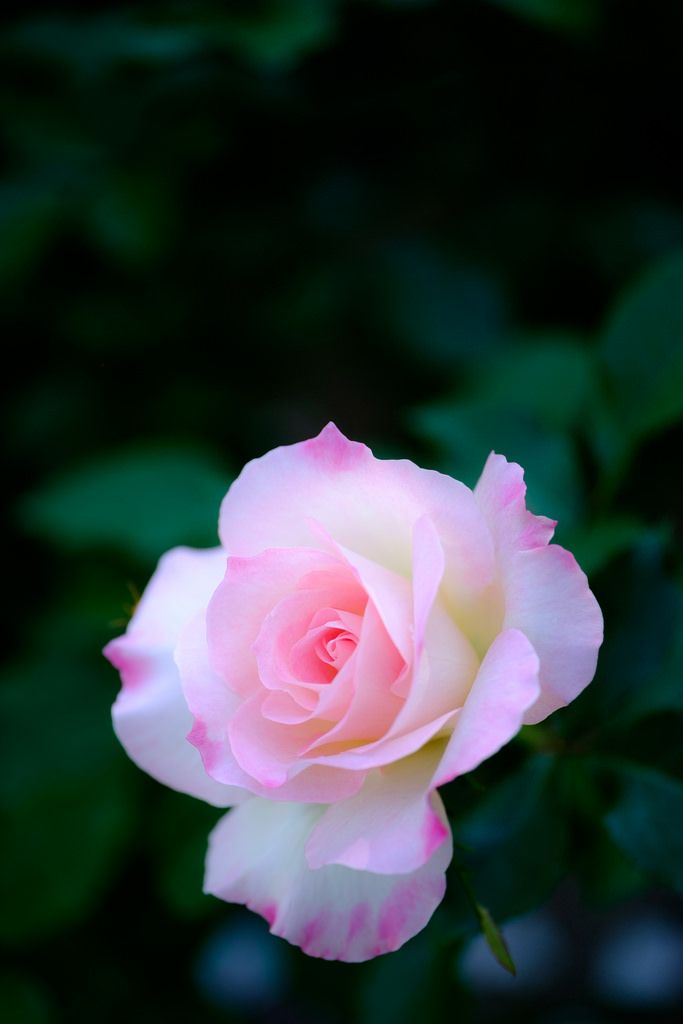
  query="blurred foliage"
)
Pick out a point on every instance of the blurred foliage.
point(449, 225)
point(140, 501)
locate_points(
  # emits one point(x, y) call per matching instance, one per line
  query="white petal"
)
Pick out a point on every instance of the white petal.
point(256, 857)
point(392, 826)
point(151, 717)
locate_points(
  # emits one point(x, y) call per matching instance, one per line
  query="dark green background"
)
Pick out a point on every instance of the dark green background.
point(448, 226)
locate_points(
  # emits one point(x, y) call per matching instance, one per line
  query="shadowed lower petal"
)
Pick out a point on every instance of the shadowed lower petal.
point(256, 857)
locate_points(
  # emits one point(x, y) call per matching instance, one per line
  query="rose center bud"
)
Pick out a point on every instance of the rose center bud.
point(336, 647)
point(326, 646)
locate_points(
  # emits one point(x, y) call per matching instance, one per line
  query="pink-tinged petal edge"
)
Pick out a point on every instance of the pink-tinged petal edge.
point(501, 495)
point(256, 857)
point(506, 686)
point(150, 715)
point(215, 708)
point(549, 600)
point(390, 827)
point(368, 505)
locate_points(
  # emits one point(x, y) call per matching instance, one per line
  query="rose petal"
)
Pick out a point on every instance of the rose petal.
point(251, 589)
point(368, 505)
point(389, 593)
point(444, 661)
point(501, 494)
point(505, 687)
point(286, 625)
point(548, 598)
point(265, 749)
point(436, 687)
point(151, 717)
point(388, 749)
point(181, 585)
point(211, 704)
point(373, 706)
point(390, 826)
point(215, 708)
point(256, 857)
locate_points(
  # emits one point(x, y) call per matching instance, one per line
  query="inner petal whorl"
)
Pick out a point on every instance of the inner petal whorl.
point(325, 647)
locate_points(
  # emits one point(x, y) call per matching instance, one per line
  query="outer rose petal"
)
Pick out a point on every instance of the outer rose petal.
point(442, 662)
point(151, 718)
point(216, 708)
point(501, 494)
point(368, 505)
point(394, 824)
point(548, 598)
point(250, 590)
point(505, 687)
point(256, 857)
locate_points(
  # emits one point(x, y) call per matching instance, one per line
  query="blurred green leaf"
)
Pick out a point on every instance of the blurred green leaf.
point(641, 607)
point(22, 1000)
point(180, 836)
point(66, 806)
point(599, 542)
point(30, 215)
point(56, 725)
point(549, 377)
point(404, 3)
point(91, 44)
point(647, 822)
point(131, 216)
point(274, 33)
point(665, 690)
point(643, 352)
point(564, 15)
point(465, 432)
point(607, 875)
point(391, 989)
point(495, 940)
point(437, 308)
point(492, 934)
point(282, 32)
point(143, 501)
point(513, 842)
point(60, 848)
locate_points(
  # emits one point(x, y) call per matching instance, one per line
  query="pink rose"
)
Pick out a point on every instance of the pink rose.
point(368, 631)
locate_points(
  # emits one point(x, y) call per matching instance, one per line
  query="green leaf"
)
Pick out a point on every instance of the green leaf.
point(391, 989)
point(60, 848)
point(66, 793)
point(90, 45)
point(601, 541)
point(647, 823)
point(274, 34)
point(464, 432)
point(143, 501)
point(563, 15)
point(444, 311)
point(549, 377)
point(131, 216)
point(30, 216)
point(642, 349)
point(22, 1000)
point(642, 608)
point(180, 836)
point(488, 927)
point(665, 692)
point(495, 940)
point(513, 842)
point(607, 875)
point(284, 32)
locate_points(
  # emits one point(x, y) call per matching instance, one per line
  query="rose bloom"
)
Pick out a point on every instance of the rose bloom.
point(366, 632)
